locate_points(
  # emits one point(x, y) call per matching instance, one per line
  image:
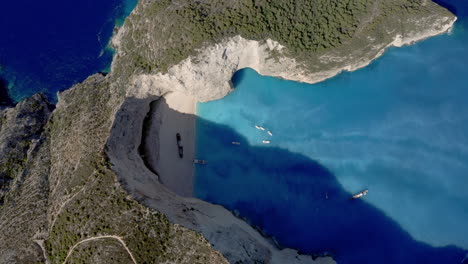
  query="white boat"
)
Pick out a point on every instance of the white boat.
point(360, 194)
point(266, 142)
point(235, 143)
point(259, 127)
point(200, 161)
point(269, 133)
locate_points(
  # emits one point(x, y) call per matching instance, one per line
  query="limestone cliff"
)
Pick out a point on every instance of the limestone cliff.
point(209, 66)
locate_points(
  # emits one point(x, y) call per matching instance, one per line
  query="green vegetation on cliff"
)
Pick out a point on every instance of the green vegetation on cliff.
point(299, 25)
point(162, 33)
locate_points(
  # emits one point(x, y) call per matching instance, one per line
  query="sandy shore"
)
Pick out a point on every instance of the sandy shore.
point(174, 113)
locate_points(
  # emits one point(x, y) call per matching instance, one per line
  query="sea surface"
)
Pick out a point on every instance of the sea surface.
point(398, 128)
point(47, 46)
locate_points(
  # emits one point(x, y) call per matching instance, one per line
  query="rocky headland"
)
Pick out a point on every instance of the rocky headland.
point(96, 196)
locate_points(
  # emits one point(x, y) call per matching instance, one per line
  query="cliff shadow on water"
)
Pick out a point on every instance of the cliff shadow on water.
point(300, 203)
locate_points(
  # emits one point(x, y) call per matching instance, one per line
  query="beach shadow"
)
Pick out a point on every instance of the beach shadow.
point(5, 99)
point(300, 203)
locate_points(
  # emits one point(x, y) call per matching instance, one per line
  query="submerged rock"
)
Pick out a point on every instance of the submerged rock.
point(5, 99)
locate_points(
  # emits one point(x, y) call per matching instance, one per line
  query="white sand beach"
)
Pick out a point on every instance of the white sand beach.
point(174, 113)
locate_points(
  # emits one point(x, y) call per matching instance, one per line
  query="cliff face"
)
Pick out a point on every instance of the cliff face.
point(207, 71)
point(24, 167)
point(21, 129)
point(64, 204)
point(73, 179)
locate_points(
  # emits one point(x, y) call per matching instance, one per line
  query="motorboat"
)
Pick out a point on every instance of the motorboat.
point(266, 142)
point(259, 127)
point(200, 161)
point(235, 143)
point(269, 133)
point(360, 194)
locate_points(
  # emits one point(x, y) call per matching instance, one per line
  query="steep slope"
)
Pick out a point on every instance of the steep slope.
point(24, 168)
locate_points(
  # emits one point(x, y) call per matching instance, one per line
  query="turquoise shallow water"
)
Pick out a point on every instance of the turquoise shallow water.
point(398, 128)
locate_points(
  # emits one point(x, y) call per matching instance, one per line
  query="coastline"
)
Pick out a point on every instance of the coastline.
point(209, 73)
point(175, 111)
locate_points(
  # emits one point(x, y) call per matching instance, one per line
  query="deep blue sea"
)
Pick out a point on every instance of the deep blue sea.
point(398, 128)
point(47, 46)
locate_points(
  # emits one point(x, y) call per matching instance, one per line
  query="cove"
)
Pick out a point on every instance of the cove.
point(398, 127)
point(47, 46)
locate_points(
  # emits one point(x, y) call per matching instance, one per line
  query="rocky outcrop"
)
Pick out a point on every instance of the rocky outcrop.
point(20, 129)
point(24, 168)
point(4, 97)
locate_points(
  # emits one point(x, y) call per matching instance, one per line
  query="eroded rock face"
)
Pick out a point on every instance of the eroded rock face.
point(207, 72)
point(24, 167)
point(20, 128)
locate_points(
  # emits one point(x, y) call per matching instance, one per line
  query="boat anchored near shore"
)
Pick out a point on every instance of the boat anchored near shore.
point(360, 194)
point(260, 128)
point(200, 161)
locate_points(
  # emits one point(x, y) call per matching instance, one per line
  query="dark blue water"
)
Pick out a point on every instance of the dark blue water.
point(47, 46)
point(398, 128)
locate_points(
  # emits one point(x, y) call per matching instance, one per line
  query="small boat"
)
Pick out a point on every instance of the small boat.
point(259, 127)
point(235, 143)
point(266, 142)
point(200, 161)
point(269, 133)
point(360, 194)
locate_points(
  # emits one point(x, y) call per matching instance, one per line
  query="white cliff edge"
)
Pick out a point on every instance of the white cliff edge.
point(207, 76)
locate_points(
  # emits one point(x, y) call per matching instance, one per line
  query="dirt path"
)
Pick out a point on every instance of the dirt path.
point(41, 244)
point(100, 237)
